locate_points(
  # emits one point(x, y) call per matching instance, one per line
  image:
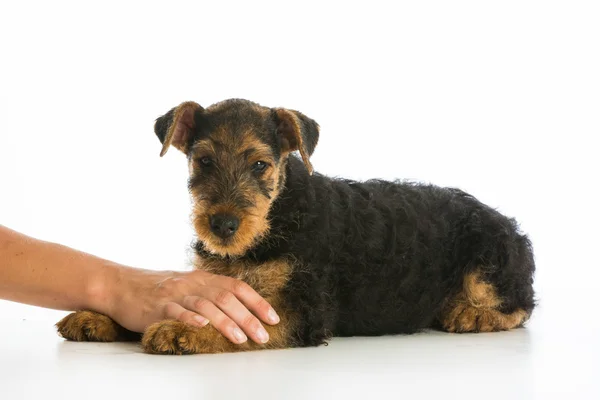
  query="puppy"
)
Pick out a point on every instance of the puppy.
point(335, 257)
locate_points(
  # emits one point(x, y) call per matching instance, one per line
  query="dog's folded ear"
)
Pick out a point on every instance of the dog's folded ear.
point(177, 126)
point(297, 132)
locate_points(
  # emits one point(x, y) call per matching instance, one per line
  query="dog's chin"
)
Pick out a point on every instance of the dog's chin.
point(230, 247)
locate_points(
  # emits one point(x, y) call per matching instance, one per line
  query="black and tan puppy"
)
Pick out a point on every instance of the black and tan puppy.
point(334, 257)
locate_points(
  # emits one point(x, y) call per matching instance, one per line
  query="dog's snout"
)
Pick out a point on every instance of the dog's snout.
point(224, 225)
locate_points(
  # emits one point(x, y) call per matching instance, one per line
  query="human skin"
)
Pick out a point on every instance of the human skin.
point(50, 275)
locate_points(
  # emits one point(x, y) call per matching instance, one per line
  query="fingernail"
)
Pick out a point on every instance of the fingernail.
point(262, 335)
point(272, 315)
point(239, 335)
point(201, 320)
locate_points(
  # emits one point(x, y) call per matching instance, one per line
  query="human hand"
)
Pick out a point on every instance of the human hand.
point(136, 298)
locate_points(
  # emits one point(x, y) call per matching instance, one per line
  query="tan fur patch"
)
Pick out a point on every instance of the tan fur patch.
point(268, 279)
point(251, 142)
point(89, 326)
point(204, 147)
point(292, 120)
point(175, 135)
point(475, 309)
point(480, 293)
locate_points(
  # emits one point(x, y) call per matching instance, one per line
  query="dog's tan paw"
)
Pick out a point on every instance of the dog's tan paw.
point(172, 337)
point(466, 318)
point(176, 337)
point(88, 326)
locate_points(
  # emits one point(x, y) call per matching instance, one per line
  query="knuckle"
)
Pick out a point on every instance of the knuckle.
point(239, 287)
point(222, 323)
point(228, 326)
point(263, 305)
point(170, 310)
point(224, 297)
point(199, 303)
point(185, 316)
point(250, 322)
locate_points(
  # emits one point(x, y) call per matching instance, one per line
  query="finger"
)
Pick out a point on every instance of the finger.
point(249, 298)
point(235, 310)
point(218, 319)
point(176, 311)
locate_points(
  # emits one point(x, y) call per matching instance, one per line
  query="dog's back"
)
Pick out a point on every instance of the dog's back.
point(383, 257)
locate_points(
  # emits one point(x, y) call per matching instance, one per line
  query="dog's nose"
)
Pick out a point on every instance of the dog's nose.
point(224, 225)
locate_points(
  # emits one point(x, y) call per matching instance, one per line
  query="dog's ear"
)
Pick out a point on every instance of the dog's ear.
point(297, 132)
point(176, 127)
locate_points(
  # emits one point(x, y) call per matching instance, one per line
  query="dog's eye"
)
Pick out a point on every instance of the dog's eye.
point(206, 161)
point(259, 166)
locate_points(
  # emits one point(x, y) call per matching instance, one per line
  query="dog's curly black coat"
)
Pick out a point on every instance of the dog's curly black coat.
point(381, 257)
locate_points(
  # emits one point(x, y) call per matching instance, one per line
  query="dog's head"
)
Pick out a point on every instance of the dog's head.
point(236, 151)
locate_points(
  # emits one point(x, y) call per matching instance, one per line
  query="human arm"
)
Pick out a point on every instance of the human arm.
point(50, 275)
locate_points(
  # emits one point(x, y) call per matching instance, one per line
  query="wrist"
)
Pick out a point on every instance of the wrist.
point(100, 288)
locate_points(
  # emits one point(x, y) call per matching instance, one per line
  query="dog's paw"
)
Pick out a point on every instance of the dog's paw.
point(175, 337)
point(466, 318)
point(88, 326)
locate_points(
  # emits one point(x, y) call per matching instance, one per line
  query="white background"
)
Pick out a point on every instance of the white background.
point(500, 99)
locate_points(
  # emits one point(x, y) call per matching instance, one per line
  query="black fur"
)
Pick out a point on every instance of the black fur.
point(382, 257)
point(373, 257)
point(161, 125)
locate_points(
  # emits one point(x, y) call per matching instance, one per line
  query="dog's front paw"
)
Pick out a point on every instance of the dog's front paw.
point(173, 337)
point(176, 337)
point(88, 326)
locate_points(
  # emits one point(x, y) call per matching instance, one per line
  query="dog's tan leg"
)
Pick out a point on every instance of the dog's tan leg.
point(476, 309)
point(89, 326)
point(176, 337)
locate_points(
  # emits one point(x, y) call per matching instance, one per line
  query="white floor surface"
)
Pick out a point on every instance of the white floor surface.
point(546, 360)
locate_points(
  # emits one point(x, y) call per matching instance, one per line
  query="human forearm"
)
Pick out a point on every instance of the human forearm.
point(50, 275)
